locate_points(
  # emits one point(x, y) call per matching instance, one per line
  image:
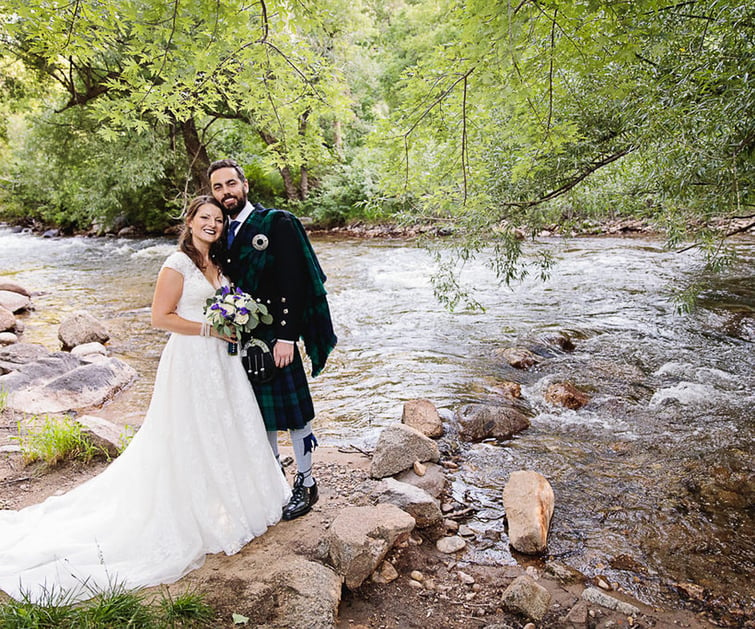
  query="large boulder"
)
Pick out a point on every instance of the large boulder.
point(288, 590)
point(422, 415)
point(61, 382)
point(482, 421)
point(80, 328)
point(14, 287)
point(397, 449)
point(11, 358)
point(360, 537)
point(528, 500)
point(14, 302)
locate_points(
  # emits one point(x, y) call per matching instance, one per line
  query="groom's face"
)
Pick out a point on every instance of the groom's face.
point(229, 190)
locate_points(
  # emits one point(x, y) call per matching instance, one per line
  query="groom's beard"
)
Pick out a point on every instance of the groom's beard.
point(233, 204)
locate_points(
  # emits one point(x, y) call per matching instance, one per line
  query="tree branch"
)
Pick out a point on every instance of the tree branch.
point(464, 139)
point(594, 166)
point(739, 230)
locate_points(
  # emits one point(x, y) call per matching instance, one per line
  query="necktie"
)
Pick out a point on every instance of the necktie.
point(232, 231)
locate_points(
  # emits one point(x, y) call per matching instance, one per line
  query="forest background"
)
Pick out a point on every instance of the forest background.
point(482, 118)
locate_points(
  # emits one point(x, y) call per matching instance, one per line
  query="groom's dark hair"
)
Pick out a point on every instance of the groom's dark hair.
point(226, 163)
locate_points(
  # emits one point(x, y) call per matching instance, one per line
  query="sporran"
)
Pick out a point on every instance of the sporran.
point(258, 361)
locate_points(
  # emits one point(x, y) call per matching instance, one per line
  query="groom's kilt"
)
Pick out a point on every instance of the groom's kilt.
point(285, 401)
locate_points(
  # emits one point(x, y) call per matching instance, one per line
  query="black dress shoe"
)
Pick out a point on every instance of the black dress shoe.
point(301, 500)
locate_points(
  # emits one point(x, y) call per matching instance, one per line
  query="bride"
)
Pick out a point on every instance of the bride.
point(198, 477)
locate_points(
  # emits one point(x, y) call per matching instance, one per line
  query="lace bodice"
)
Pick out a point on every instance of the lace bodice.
point(196, 289)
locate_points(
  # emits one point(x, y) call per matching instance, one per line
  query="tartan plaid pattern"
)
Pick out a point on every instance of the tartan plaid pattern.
point(317, 327)
point(285, 402)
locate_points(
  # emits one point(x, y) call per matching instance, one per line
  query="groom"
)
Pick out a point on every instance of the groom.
point(271, 258)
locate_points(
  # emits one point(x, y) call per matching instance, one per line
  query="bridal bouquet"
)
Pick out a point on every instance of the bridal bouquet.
point(232, 310)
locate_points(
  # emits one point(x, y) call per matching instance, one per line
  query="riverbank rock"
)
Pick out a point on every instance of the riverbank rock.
point(478, 422)
point(415, 501)
point(7, 319)
point(8, 338)
point(397, 449)
point(90, 352)
point(567, 395)
point(11, 358)
point(526, 596)
point(102, 434)
point(80, 328)
point(433, 481)
point(423, 416)
point(57, 382)
point(360, 537)
point(288, 590)
point(450, 544)
point(598, 597)
point(15, 302)
point(14, 287)
point(528, 500)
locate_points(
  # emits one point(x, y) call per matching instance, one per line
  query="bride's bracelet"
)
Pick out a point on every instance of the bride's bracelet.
point(205, 329)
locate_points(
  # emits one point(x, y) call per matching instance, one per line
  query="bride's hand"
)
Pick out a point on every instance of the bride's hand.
point(229, 339)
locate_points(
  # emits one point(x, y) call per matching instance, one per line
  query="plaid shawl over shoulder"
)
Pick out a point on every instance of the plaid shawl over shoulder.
point(317, 326)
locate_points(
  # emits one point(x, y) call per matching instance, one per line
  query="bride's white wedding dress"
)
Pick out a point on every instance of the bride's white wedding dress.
point(198, 477)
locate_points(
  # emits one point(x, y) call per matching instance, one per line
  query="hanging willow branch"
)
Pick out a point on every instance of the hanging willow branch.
point(439, 99)
point(593, 166)
point(464, 156)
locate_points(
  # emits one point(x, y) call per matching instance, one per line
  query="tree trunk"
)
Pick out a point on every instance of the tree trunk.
point(289, 185)
point(303, 183)
point(196, 151)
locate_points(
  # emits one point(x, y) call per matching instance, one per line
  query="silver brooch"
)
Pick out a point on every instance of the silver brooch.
point(260, 242)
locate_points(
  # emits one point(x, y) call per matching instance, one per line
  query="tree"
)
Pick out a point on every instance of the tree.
point(176, 70)
point(508, 112)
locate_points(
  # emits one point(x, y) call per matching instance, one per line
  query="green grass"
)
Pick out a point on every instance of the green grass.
point(187, 610)
point(54, 441)
point(3, 400)
point(111, 610)
point(125, 438)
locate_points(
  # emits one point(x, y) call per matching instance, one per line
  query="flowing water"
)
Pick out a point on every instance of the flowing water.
point(653, 478)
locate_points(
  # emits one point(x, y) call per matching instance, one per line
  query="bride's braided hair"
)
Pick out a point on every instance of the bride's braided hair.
point(184, 239)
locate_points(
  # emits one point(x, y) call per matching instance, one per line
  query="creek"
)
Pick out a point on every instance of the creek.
point(653, 478)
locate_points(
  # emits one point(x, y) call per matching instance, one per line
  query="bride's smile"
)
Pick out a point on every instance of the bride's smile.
point(207, 224)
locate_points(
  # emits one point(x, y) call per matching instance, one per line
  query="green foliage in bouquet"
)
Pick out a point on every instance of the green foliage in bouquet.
point(232, 310)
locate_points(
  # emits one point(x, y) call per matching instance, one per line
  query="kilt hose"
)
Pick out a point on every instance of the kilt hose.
point(285, 401)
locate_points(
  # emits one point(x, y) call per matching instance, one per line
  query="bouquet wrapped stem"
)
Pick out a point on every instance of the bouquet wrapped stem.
point(231, 311)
